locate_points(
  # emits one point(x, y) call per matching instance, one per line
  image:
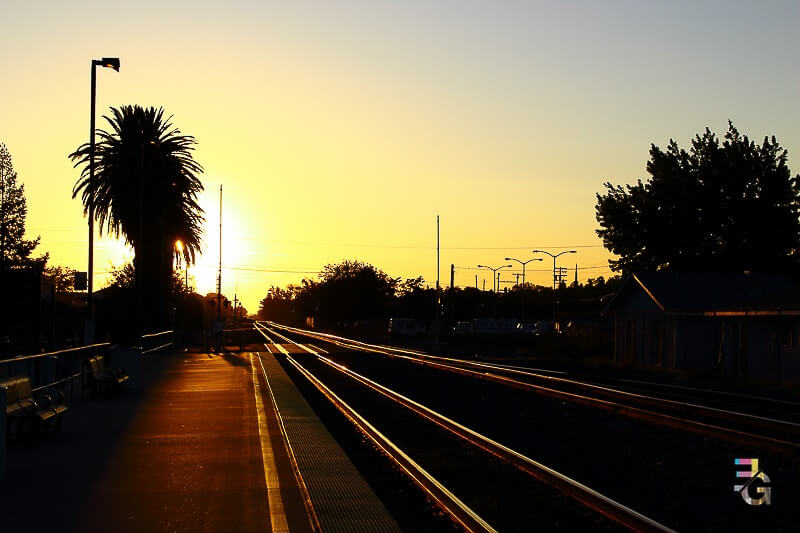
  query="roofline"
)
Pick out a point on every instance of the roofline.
point(624, 286)
point(647, 291)
point(754, 312)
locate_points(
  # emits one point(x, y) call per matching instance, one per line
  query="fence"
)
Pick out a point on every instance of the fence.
point(56, 369)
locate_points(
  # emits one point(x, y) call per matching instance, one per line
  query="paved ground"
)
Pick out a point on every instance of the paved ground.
point(186, 453)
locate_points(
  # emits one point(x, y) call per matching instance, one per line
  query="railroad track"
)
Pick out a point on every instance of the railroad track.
point(638, 400)
point(466, 459)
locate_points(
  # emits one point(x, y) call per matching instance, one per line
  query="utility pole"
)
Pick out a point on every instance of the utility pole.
point(438, 287)
point(235, 304)
point(452, 274)
point(437, 260)
point(218, 325)
point(219, 272)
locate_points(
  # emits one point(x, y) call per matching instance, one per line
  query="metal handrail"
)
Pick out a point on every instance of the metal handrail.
point(19, 358)
point(160, 346)
point(149, 335)
point(74, 359)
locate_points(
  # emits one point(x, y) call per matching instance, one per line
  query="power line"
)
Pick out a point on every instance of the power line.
point(538, 269)
point(414, 246)
point(248, 269)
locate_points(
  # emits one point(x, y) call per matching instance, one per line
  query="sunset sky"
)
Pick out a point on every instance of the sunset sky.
point(339, 130)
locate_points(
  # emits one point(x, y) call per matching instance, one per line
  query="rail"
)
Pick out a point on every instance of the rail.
point(564, 484)
point(621, 402)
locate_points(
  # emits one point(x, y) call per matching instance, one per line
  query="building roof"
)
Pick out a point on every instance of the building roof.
point(714, 293)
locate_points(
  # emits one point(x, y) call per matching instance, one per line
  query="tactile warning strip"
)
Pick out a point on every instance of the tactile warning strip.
point(342, 499)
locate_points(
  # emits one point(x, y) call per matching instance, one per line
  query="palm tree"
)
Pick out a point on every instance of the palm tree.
point(145, 189)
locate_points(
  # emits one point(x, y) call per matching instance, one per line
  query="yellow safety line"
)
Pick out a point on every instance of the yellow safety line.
point(277, 515)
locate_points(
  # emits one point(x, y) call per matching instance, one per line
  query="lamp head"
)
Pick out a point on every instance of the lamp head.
point(111, 62)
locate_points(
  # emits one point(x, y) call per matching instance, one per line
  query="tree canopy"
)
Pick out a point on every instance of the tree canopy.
point(146, 188)
point(720, 206)
point(15, 250)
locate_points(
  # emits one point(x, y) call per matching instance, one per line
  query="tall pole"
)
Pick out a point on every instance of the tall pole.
point(109, 62)
point(438, 286)
point(90, 273)
point(437, 252)
point(437, 265)
point(219, 272)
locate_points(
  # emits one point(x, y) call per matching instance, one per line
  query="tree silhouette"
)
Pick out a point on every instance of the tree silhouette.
point(145, 189)
point(726, 206)
point(15, 250)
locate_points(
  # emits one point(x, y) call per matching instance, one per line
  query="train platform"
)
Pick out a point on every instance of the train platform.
point(211, 442)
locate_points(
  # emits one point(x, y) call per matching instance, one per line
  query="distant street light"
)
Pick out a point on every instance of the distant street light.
point(179, 248)
point(555, 300)
point(107, 62)
point(523, 263)
point(494, 274)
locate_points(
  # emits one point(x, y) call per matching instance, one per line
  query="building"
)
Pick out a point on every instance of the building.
point(744, 325)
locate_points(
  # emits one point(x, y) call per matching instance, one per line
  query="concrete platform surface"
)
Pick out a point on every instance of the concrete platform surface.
point(184, 453)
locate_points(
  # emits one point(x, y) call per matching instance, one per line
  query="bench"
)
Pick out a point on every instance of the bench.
point(101, 378)
point(21, 406)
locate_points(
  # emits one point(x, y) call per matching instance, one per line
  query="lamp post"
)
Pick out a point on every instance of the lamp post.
point(554, 256)
point(494, 273)
point(522, 293)
point(107, 62)
point(523, 263)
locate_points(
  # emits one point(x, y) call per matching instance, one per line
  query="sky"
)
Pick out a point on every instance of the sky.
point(341, 129)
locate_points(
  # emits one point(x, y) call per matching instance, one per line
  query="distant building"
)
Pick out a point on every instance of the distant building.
point(745, 325)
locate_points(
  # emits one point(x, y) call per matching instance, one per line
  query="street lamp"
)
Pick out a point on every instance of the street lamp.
point(522, 294)
point(107, 62)
point(523, 263)
point(179, 249)
point(554, 276)
point(494, 274)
